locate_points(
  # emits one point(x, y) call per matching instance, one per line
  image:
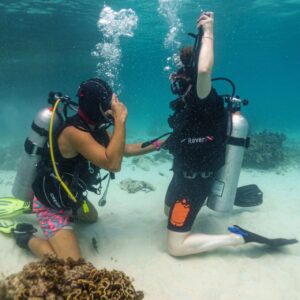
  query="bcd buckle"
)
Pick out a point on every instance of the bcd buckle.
point(205, 175)
point(189, 175)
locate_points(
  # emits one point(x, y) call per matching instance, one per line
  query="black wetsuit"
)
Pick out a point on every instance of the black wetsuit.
point(198, 145)
point(78, 174)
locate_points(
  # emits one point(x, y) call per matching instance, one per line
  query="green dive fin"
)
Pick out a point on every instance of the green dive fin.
point(248, 195)
point(7, 226)
point(12, 207)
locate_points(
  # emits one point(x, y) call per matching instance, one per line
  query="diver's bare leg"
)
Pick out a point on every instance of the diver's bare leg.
point(185, 243)
point(40, 247)
point(65, 244)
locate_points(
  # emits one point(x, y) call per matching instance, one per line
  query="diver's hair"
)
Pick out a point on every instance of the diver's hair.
point(186, 56)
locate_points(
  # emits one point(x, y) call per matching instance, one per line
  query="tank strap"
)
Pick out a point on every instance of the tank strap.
point(41, 131)
point(239, 141)
point(32, 148)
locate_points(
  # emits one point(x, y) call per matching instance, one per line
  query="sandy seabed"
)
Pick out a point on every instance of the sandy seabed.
point(131, 236)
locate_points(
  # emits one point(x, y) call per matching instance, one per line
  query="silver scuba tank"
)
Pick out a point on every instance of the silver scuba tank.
point(31, 155)
point(224, 187)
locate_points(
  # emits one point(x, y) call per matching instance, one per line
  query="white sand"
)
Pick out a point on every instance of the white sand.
point(131, 235)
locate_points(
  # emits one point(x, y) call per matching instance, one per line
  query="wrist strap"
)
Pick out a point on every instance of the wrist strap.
point(157, 145)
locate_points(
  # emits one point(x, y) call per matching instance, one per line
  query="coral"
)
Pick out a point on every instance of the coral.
point(133, 186)
point(293, 155)
point(265, 151)
point(57, 279)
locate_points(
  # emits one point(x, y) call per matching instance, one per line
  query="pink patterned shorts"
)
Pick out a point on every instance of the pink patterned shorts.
point(51, 220)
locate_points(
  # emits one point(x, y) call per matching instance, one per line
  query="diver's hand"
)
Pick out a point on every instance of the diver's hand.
point(206, 22)
point(118, 110)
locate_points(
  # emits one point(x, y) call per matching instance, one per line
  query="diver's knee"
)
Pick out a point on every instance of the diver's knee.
point(173, 250)
point(86, 217)
point(175, 245)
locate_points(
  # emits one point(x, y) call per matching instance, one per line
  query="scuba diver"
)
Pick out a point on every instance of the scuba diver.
point(70, 166)
point(198, 144)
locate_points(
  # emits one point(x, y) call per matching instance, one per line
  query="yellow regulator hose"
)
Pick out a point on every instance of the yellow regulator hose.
point(52, 154)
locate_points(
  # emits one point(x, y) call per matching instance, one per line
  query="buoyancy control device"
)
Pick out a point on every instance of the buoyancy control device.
point(224, 187)
point(225, 183)
point(35, 144)
point(226, 179)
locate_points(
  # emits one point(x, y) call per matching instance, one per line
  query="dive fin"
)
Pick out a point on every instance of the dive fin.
point(12, 207)
point(22, 232)
point(248, 195)
point(7, 226)
point(250, 237)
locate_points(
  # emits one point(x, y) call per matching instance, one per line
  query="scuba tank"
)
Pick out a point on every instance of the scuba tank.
point(224, 187)
point(33, 150)
point(46, 122)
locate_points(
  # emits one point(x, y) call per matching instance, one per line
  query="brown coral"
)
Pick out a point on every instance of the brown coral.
point(265, 151)
point(133, 186)
point(55, 279)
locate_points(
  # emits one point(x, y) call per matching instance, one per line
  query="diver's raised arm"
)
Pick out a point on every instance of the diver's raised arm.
point(110, 157)
point(206, 54)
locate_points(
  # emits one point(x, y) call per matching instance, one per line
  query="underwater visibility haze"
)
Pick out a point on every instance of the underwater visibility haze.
point(54, 45)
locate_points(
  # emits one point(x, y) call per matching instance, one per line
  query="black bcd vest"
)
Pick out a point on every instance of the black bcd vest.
point(198, 140)
point(77, 173)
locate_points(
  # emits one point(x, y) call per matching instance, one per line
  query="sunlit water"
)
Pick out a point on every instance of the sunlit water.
point(54, 45)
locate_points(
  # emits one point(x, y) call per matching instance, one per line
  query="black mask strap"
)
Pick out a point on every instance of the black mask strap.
point(196, 51)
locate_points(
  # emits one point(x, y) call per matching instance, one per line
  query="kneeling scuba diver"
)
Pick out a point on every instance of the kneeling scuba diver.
point(59, 183)
point(65, 160)
point(207, 142)
point(39, 147)
point(226, 135)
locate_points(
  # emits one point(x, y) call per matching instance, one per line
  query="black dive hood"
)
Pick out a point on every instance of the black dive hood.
point(94, 98)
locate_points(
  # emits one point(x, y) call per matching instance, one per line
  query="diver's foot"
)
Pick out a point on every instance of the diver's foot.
point(23, 232)
point(250, 237)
